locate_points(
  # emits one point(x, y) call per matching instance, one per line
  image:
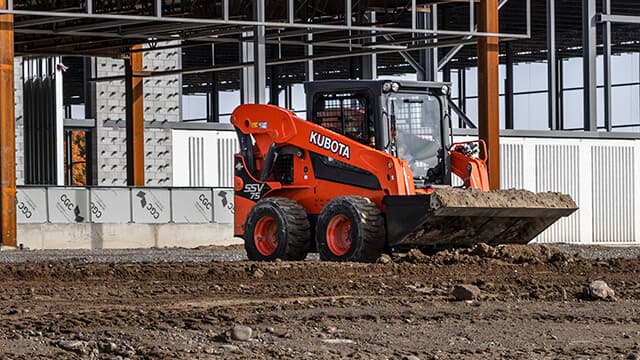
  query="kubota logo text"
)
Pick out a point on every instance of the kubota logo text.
point(329, 144)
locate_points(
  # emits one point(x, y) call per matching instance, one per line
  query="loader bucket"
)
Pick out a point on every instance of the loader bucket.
point(462, 217)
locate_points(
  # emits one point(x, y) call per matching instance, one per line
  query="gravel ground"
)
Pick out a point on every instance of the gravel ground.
point(173, 255)
point(600, 252)
point(208, 254)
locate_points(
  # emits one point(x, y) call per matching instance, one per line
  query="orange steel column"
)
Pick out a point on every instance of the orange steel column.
point(8, 234)
point(488, 88)
point(135, 118)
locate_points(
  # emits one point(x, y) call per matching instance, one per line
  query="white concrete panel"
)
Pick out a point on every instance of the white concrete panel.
point(150, 205)
point(194, 235)
point(55, 236)
point(68, 205)
point(124, 236)
point(191, 206)
point(223, 206)
point(31, 205)
point(110, 205)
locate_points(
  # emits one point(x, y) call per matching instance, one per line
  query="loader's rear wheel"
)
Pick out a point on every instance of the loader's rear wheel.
point(350, 228)
point(277, 228)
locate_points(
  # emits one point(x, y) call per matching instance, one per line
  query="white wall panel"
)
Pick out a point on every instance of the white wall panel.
point(511, 166)
point(613, 194)
point(227, 147)
point(203, 158)
point(556, 169)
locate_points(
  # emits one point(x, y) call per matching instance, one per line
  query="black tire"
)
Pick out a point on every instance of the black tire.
point(292, 230)
point(367, 230)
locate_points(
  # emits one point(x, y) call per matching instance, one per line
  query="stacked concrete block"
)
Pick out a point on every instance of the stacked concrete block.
point(19, 95)
point(161, 107)
point(110, 121)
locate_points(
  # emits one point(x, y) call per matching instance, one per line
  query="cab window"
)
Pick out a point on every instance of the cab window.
point(345, 113)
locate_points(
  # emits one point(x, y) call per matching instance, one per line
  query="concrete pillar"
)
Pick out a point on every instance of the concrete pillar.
point(488, 88)
point(135, 118)
point(7, 133)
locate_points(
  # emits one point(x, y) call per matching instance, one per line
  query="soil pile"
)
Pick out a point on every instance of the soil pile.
point(482, 253)
point(511, 198)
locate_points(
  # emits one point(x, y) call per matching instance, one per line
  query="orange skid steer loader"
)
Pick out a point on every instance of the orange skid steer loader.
point(370, 170)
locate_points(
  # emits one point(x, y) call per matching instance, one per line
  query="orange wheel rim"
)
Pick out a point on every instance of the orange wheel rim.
point(265, 235)
point(339, 235)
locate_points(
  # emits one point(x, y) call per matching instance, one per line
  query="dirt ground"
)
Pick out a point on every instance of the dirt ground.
point(531, 307)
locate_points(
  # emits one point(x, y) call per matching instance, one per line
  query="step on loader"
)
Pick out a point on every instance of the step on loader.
point(370, 170)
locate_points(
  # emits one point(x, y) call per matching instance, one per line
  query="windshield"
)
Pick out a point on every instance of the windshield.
point(417, 130)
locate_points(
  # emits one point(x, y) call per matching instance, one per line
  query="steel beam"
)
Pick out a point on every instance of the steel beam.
point(589, 64)
point(415, 64)
point(157, 8)
point(508, 89)
point(370, 62)
point(606, 61)
point(274, 87)
point(560, 107)
point(428, 57)
point(448, 56)
point(488, 88)
point(271, 24)
point(619, 19)
point(259, 54)
point(135, 119)
point(8, 226)
point(246, 63)
point(247, 95)
point(214, 102)
point(552, 71)
point(462, 94)
point(291, 11)
point(308, 64)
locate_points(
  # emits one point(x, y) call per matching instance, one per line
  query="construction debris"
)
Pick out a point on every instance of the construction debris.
point(599, 290)
point(241, 333)
point(464, 292)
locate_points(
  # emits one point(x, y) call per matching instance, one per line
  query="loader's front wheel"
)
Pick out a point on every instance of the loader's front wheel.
point(350, 228)
point(277, 228)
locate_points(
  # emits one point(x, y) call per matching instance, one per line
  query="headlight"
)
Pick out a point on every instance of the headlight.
point(395, 87)
point(445, 89)
point(386, 87)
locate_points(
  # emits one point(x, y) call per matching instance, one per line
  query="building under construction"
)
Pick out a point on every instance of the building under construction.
point(122, 107)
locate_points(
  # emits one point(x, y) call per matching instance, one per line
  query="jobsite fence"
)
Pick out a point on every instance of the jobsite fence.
point(124, 205)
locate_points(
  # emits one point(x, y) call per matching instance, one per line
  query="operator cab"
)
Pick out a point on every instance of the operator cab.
point(407, 119)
